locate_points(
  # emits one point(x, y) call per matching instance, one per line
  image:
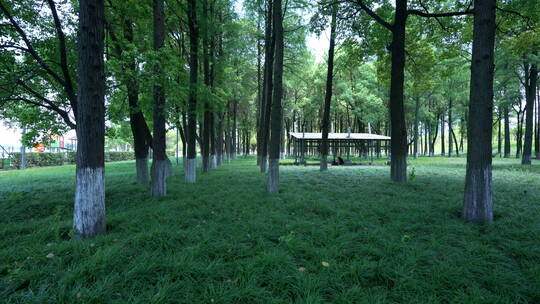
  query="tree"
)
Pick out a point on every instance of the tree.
point(125, 50)
point(478, 200)
point(531, 77)
point(276, 114)
point(89, 210)
point(159, 161)
point(398, 143)
point(191, 163)
point(328, 96)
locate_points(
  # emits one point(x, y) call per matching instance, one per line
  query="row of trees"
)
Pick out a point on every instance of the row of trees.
point(222, 80)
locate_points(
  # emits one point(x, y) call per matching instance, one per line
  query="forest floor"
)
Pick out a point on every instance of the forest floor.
point(348, 235)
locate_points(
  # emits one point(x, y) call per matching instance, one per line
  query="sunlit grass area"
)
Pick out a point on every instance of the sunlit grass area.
point(348, 235)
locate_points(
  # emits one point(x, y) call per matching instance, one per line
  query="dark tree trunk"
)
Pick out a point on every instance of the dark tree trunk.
point(219, 141)
point(159, 160)
point(276, 117)
point(530, 82)
point(499, 132)
point(506, 133)
point(191, 162)
point(450, 130)
point(268, 85)
point(142, 139)
point(205, 136)
point(259, 92)
point(89, 209)
point(328, 96)
point(519, 133)
point(398, 143)
point(537, 142)
point(416, 126)
point(443, 150)
point(478, 200)
point(234, 139)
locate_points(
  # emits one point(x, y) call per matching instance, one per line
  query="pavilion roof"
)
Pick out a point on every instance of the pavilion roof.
point(339, 136)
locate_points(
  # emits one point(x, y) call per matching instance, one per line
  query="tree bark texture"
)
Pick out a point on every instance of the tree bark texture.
point(89, 209)
point(478, 199)
point(276, 117)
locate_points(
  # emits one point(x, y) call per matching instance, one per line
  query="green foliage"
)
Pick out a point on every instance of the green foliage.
point(45, 159)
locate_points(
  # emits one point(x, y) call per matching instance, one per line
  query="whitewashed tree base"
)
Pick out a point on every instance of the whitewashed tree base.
point(478, 201)
point(190, 170)
point(213, 161)
point(142, 170)
point(282, 155)
point(233, 156)
point(160, 172)
point(89, 210)
point(170, 168)
point(219, 160)
point(272, 184)
point(324, 163)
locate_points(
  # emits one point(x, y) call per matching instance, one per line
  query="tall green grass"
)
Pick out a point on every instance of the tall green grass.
point(348, 235)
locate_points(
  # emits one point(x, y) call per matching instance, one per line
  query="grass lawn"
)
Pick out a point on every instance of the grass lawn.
point(348, 235)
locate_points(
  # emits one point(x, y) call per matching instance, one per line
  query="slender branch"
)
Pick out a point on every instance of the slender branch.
point(527, 18)
point(436, 15)
point(31, 49)
point(63, 56)
point(374, 15)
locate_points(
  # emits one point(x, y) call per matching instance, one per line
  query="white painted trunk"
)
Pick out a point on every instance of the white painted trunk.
point(219, 160)
point(478, 201)
point(89, 209)
point(233, 156)
point(160, 172)
point(170, 168)
point(263, 164)
point(272, 184)
point(282, 155)
point(213, 161)
point(190, 170)
point(142, 170)
point(324, 162)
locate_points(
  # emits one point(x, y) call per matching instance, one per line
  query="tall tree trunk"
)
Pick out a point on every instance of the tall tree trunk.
point(89, 209)
point(259, 91)
point(191, 163)
point(276, 117)
point(268, 85)
point(506, 133)
point(519, 134)
point(398, 142)
point(328, 96)
point(205, 136)
point(443, 151)
point(450, 131)
point(529, 113)
point(537, 142)
point(416, 126)
point(159, 160)
point(478, 200)
point(234, 131)
point(499, 132)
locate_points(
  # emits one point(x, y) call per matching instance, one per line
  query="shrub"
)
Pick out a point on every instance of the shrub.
point(44, 159)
